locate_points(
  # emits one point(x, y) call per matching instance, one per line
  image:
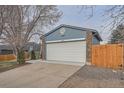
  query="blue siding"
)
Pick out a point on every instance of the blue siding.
point(95, 40)
point(70, 33)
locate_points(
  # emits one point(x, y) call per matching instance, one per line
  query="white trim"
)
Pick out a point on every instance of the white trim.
point(65, 62)
point(65, 40)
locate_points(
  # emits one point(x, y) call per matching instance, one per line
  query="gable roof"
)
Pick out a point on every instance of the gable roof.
point(75, 27)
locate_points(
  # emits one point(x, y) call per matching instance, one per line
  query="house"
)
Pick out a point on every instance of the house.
point(69, 44)
point(5, 49)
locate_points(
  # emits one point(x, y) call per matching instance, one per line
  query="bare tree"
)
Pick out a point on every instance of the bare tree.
point(3, 16)
point(117, 35)
point(114, 14)
point(22, 22)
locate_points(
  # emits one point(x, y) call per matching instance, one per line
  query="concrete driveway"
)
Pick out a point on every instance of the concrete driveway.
point(42, 75)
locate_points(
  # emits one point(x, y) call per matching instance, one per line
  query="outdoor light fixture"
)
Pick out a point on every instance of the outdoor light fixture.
point(62, 31)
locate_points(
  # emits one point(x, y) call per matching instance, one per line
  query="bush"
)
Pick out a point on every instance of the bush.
point(20, 57)
point(33, 56)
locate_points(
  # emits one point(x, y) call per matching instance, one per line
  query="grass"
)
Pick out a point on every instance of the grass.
point(4, 66)
point(7, 65)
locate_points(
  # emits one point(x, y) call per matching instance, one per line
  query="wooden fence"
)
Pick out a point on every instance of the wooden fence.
point(11, 57)
point(109, 56)
point(8, 57)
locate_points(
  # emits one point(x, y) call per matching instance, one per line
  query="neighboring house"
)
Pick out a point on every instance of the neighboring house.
point(68, 44)
point(6, 49)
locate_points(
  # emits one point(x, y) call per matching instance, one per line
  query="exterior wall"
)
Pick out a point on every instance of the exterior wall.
point(4, 52)
point(70, 33)
point(95, 40)
point(89, 42)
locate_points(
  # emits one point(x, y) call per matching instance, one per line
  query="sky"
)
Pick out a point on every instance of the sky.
point(76, 16)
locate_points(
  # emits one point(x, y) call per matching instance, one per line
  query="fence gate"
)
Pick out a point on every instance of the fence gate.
point(109, 56)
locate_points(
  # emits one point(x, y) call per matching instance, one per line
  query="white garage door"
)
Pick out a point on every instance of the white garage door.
point(67, 51)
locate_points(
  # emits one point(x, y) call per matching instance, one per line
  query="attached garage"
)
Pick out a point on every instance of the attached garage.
point(67, 44)
point(73, 51)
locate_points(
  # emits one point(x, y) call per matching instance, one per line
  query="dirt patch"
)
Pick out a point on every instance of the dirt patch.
point(91, 76)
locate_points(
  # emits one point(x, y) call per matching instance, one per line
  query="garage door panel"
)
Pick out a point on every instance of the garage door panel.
point(67, 51)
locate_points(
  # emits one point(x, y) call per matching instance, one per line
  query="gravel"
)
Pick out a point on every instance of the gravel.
point(95, 77)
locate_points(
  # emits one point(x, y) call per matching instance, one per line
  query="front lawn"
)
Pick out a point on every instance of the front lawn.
point(4, 66)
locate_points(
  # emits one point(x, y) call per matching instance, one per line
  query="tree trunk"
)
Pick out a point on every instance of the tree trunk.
point(43, 48)
point(20, 56)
